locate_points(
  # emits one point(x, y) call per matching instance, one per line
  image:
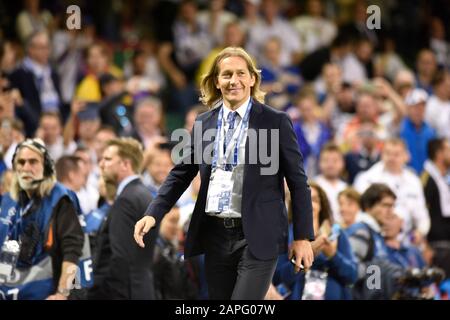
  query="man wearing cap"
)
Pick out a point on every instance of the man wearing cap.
point(40, 216)
point(414, 130)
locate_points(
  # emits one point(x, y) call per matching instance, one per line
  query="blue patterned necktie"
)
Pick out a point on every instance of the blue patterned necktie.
point(231, 119)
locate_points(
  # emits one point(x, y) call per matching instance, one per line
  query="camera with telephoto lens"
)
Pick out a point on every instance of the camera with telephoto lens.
point(414, 282)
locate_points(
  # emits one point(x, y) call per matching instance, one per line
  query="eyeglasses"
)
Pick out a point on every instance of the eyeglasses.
point(387, 205)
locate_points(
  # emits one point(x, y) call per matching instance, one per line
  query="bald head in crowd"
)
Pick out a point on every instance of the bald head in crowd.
point(38, 47)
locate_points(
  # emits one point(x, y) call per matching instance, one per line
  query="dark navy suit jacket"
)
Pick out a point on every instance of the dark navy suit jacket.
point(30, 112)
point(264, 216)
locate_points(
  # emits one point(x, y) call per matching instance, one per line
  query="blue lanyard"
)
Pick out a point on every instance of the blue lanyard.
point(17, 227)
point(243, 125)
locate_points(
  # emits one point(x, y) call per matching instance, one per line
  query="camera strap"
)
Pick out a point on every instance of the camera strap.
point(18, 226)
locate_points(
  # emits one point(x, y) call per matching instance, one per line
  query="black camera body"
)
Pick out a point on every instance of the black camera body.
point(29, 243)
point(415, 280)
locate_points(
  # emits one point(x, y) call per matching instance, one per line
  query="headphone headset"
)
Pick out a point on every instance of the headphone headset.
point(49, 166)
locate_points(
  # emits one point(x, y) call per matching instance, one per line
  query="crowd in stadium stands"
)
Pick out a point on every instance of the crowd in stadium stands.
point(370, 107)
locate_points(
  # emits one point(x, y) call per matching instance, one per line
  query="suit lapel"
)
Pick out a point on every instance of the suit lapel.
point(209, 123)
point(254, 124)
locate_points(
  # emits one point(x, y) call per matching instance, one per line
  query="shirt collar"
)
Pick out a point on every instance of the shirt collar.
point(369, 220)
point(124, 183)
point(241, 110)
point(38, 69)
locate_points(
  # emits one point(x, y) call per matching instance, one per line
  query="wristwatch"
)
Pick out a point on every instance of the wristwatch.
point(63, 292)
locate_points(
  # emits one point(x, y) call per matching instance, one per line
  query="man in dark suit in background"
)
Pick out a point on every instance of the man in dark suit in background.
point(437, 196)
point(122, 270)
point(38, 83)
point(240, 220)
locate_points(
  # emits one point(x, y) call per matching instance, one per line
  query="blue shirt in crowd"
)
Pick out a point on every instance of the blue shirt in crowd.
point(417, 141)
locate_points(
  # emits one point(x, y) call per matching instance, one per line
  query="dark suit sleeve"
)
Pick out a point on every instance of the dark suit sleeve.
point(29, 112)
point(291, 163)
point(177, 182)
point(431, 193)
point(116, 281)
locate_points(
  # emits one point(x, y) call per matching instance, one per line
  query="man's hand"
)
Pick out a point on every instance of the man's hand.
point(329, 248)
point(141, 228)
point(303, 253)
point(179, 80)
point(56, 296)
point(77, 106)
point(317, 244)
point(273, 294)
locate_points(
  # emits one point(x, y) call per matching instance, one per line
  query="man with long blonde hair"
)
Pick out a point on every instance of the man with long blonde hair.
point(239, 221)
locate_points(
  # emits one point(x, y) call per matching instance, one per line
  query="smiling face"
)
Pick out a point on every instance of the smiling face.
point(234, 81)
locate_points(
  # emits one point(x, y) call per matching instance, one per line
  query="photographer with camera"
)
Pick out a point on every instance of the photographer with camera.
point(369, 247)
point(41, 239)
point(418, 279)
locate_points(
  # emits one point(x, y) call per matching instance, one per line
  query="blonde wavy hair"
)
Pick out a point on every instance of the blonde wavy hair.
point(210, 95)
point(45, 186)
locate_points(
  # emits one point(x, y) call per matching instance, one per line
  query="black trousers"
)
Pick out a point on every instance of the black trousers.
point(232, 272)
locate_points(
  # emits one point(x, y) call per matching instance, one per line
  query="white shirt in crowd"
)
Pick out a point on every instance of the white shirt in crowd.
point(89, 194)
point(410, 204)
point(437, 115)
point(332, 191)
point(261, 32)
point(353, 71)
point(88, 198)
point(8, 155)
point(57, 150)
point(217, 30)
point(314, 32)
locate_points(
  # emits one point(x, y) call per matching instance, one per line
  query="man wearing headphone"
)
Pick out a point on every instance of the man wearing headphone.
point(39, 219)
